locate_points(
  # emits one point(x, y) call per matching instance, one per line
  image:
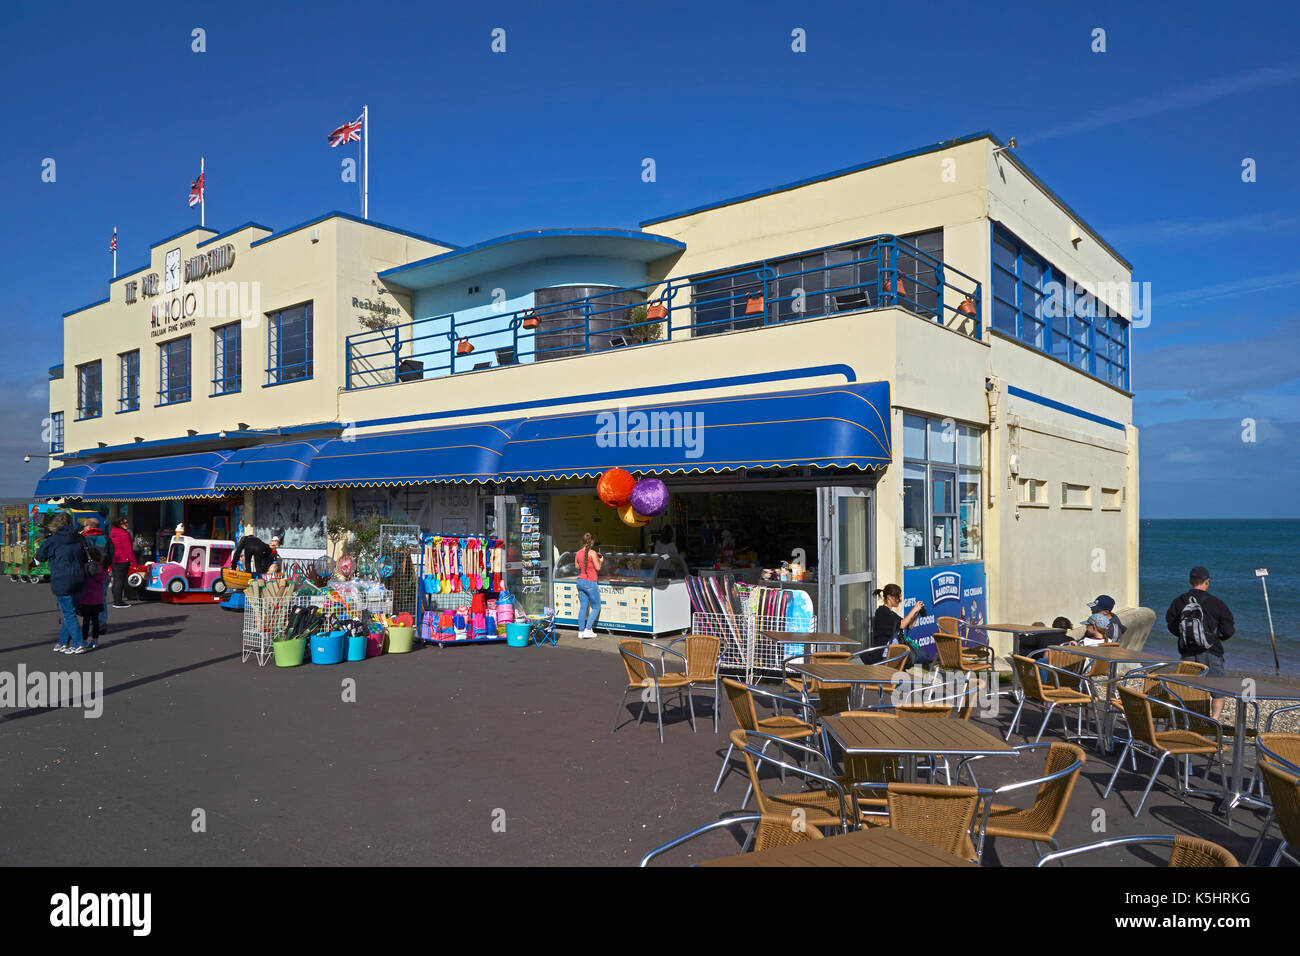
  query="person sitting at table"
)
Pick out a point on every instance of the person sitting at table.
point(887, 623)
point(1096, 631)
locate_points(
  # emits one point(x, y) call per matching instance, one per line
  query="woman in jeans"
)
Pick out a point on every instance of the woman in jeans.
point(588, 562)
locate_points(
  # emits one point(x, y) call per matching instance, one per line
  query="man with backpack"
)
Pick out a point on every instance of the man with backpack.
point(99, 547)
point(65, 550)
point(1201, 622)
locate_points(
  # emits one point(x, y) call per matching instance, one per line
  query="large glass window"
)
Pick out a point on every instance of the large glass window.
point(1040, 305)
point(227, 369)
point(289, 345)
point(941, 491)
point(90, 400)
point(174, 371)
point(56, 433)
point(128, 395)
point(820, 283)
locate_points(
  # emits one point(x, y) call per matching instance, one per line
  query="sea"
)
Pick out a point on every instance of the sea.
point(1232, 550)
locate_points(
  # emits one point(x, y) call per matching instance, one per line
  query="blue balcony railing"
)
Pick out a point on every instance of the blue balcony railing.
point(879, 272)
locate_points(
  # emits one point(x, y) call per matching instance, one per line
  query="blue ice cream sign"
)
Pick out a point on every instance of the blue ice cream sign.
point(957, 591)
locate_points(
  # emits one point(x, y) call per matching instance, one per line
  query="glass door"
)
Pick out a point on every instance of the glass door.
point(846, 563)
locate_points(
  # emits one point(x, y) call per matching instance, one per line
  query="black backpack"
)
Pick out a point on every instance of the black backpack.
point(1193, 635)
point(94, 562)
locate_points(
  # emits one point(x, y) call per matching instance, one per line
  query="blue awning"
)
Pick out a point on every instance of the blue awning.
point(451, 453)
point(268, 466)
point(155, 479)
point(66, 481)
point(840, 426)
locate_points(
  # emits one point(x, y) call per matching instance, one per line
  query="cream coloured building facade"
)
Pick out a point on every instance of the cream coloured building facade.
point(937, 273)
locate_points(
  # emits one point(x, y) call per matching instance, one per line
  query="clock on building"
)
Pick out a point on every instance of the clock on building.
point(173, 271)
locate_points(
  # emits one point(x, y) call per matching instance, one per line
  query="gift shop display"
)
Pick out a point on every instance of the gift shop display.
point(461, 577)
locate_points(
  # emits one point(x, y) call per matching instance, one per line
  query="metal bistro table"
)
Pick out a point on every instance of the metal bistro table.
point(817, 638)
point(1113, 656)
point(877, 846)
point(844, 672)
point(912, 737)
point(1240, 689)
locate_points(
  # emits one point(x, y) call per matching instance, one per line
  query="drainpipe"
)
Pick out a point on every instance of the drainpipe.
point(992, 391)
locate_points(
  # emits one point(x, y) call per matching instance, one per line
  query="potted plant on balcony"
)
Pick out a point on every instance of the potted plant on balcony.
point(638, 329)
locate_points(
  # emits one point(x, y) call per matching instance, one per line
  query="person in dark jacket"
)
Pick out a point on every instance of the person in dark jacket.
point(1213, 618)
point(65, 551)
point(887, 625)
point(258, 556)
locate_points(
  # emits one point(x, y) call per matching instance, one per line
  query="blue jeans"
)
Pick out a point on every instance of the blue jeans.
point(103, 614)
point(70, 631)
point(588, 604)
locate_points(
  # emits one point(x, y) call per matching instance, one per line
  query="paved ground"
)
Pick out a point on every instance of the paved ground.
point(438, 746)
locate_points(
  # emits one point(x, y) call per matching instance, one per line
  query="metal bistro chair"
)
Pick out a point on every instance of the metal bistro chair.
point(890, 655)
point(953, 656)
point(766, 834)
point(702, 654)
point(831, 805)
point(809, 688)
point(1284, 793)
point(939, 815)
point(1029, 673)
point(1282, 751)
point(741, 697)
point(1187, 851)
point(1039, 822)
point(1162, 744)
point(643, 675)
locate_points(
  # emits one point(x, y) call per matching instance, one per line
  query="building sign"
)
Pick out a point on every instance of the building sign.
point(130, 291)
point(149, 284)
point(957, 591)
point(210, 263)
point(375, 308)
point(173, 315)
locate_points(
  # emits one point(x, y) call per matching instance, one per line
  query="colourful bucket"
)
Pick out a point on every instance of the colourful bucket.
point(400, 639)
point(290, 653)
point(329, 648)
point(517, 635)
point(357, 648)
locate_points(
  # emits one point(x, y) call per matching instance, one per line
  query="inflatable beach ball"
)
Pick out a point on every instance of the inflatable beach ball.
point(615, 487)
point(630, 517)
point(649, 497)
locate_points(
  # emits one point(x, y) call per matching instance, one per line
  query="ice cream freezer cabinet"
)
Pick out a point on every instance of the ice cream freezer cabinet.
point(639, 594)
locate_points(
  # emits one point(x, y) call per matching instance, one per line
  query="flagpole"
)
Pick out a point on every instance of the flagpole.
point(365, 162)
point(203, 196)
point(115, 252)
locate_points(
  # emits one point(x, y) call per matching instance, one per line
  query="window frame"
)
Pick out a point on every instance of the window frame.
point(958, 469)
point(1071, 338)
point(275, 370)
point(128, 375)
point(221, 349)
point(166, 395)
point(86, 411)
point(56, 433)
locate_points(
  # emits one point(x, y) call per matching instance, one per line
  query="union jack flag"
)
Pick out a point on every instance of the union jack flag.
point(196, 191)
point(112, 244)
point(347, 133)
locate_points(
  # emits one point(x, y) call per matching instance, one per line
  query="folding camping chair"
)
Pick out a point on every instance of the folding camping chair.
point(541, 627)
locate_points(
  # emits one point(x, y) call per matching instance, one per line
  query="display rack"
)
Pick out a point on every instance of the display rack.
point(744, 650)
point(266, 610)
point(398, 565)
point(479, 569)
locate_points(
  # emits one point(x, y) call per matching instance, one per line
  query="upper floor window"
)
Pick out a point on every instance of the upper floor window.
point(1038, 304)
point(289, 353)
point(174, 371)
point(822, 282)
point(227, 368)
point(56, 433)
point(90, 401)
point(128, 394)
point(941, 491)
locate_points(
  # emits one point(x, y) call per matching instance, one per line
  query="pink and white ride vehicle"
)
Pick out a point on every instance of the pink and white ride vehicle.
point(192, 566)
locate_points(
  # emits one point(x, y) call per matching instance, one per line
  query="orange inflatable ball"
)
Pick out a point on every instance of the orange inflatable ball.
point(615, 487)
point(630, 517)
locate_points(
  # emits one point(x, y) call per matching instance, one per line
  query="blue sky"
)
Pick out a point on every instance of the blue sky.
point(1145, 141)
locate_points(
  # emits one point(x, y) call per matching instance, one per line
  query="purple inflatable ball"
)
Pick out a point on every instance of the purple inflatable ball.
point(650, 497)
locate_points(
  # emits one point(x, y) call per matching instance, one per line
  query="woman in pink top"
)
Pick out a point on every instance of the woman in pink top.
point(588, 562)
point(123, 558)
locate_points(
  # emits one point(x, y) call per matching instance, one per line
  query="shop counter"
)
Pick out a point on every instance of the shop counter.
point(640, 594)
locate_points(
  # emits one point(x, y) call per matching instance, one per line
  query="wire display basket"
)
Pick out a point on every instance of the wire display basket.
point(744, 650)
point(346, 604)
point(266, 611)
point(398, 565)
